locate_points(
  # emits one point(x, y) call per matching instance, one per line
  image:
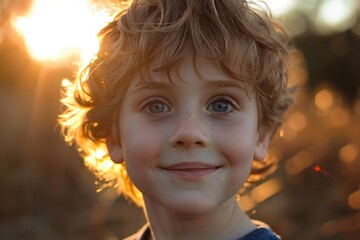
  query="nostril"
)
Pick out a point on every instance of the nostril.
point(200, 143)
point(189, 144)
point(188, 139)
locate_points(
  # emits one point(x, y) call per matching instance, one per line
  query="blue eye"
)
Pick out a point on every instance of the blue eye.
point(156, 106)
point(221, 106)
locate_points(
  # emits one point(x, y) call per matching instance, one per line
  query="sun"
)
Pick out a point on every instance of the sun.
point(55, 29)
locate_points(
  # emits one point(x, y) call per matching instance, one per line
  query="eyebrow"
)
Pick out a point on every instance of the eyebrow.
point(150, 85)
point(161, 85)
point(227, 83)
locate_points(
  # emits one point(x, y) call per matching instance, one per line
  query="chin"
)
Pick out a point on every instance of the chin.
point(191, 206)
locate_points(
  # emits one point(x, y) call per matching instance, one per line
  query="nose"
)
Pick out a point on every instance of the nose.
point(190, 131)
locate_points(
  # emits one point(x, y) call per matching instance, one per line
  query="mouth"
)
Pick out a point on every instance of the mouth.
point(190, 166)
point(190, 171)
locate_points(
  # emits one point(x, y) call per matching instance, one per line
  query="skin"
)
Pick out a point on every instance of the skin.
point(188, 145)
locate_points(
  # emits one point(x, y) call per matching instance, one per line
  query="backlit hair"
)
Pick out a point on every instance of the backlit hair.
point(235, 34)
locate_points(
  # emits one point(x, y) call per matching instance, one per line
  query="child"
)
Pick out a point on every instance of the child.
point(185, 95)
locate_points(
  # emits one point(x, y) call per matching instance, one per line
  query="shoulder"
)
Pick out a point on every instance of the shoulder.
point(262, 232)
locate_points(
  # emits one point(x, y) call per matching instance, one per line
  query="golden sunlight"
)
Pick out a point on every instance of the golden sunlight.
point(55, 29)
point(261, 193)
point(266, 190)
point(299, 162)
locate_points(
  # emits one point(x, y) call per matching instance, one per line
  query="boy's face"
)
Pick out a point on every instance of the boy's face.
point(188, 144)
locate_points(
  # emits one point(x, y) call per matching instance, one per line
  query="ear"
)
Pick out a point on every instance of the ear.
point(115, 150)
point(262, 144)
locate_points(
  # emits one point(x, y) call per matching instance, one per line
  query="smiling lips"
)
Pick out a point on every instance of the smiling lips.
point(190, 171)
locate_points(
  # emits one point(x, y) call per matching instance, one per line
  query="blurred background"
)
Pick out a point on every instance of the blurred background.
point(47, 193)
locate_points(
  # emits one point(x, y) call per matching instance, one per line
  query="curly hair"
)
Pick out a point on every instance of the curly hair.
point(241, 38)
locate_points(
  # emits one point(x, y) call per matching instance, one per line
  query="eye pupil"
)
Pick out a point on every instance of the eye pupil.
point(220, 106)
point(156, 107)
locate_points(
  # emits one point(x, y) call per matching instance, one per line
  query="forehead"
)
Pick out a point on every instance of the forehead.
point(187, 70)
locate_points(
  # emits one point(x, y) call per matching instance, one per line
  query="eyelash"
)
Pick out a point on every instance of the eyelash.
point(229, 101)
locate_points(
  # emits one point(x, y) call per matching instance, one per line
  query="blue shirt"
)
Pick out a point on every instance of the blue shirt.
point(262, 232)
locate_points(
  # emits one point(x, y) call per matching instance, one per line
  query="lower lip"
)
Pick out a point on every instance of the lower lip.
point(191, 174)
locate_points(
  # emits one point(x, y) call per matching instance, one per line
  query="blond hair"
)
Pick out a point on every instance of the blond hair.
point(241, 39)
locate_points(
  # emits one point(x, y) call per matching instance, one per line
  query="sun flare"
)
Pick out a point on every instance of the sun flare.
point(55, 29)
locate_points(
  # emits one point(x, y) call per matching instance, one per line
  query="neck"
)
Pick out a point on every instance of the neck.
point(226, 222)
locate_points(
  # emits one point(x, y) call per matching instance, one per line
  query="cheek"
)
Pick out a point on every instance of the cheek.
point(238, 152)
point(238, 144)
point(139, 151)
point(140, 144)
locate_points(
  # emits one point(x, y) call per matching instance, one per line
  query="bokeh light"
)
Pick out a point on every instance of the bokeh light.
point(324, 99)
point(349, 153)
point(281, 7)
point(354, 200)
point(336, 15)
